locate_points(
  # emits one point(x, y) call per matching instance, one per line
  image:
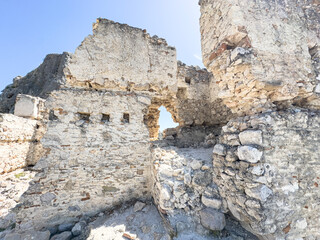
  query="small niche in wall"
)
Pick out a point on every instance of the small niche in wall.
point(52, 116)
point(84, 116)
point(187, 80)
point(126, 118)
point(105, 118)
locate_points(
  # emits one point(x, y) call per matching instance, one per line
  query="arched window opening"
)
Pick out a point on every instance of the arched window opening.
point(165, 121)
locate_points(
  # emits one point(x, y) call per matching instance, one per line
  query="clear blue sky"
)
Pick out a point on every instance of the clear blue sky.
point(31, 29)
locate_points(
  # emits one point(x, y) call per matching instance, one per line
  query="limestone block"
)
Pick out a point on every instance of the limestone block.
point(261, 193)
point(63, 236)
point(251, 137)
point(29, 235)
point(211, 202)
point(212, 219)
point(28, 106)
point(219, 149)
point(250, 154)
point(17, 137)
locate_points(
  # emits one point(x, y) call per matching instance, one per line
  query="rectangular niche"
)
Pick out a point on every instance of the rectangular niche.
point(126, 118)
point(84, 116)
point(105, 118)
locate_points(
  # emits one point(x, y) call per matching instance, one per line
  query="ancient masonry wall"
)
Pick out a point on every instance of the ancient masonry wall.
point(197, 100)
point(17, 134)
point(98, 158)
point(100, 122)
point(267, 169)
point(182, 188)
point(263, 54)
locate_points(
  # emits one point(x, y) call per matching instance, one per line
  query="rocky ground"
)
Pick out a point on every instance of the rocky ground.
point(132, 221)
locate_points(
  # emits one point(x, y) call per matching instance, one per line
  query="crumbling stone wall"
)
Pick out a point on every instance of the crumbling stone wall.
point(17, 134)
point(267, 169)
point(259, 52)
point(182, 186)
point(197, 100)
point(101, 118)
point(48, 77)
point(121, 57)
point(98, 157)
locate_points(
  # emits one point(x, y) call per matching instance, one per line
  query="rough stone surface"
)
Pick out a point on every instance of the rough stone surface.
point(101, 180)
point(138, 206)
point(249, 154)
point(18, 136)
point(29, 107)
point(29, 235)
point(277, 197)
point(252, 46)
point(211, 202)
point(40, 82)
point(62, 236)
point(78, 228)
point(212, 219)
point(95, 129)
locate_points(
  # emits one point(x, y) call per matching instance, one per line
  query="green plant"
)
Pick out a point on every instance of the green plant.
point(19, 175)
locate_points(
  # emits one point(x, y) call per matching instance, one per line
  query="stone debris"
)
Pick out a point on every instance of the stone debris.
point(138, 206)
point(62, 236)
point(30, 235)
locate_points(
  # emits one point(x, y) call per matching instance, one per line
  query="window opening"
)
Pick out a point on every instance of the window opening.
point(126, 118)
point(105, 118)
point(84, 116)
point(165, 121)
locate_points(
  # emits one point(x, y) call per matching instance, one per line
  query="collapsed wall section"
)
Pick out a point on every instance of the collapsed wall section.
point(98, 157)
point(262, 53)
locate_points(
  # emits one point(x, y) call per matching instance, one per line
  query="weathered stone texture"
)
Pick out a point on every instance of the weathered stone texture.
point(260, 52)
point(29, 107)
point(17, 135)
point(121, 57)
point(94, 162)
point(40, 82)
point(181, 177)
point(197, 100)
point(272, 188)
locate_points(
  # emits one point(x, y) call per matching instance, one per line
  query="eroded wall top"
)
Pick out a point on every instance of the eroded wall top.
point(121, 57)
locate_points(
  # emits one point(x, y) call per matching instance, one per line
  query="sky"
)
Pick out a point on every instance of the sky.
point(31, 29)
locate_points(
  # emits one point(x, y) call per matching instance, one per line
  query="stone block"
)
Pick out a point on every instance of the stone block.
point(212, 219)
point(249, 154)
point(27, 106)
point(251, 137)
point(211, 202)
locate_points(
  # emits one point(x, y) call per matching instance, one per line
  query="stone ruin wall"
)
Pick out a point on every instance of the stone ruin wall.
point(17, 134)
point(40, 82)
point(263, 54)
point(97, 158)
point(102, 111)
point(21, 134)
point(250, 48)
point(267, 169)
